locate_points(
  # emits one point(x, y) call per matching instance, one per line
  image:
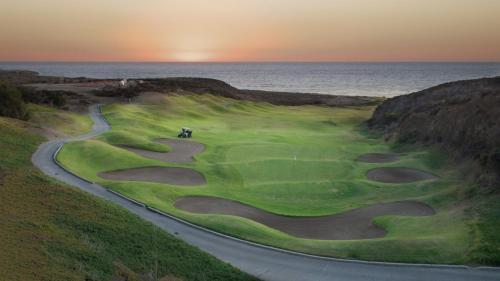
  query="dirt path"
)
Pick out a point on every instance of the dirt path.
point(182, 151)
point(350, 225)
point(398, 175)
point(168, 175)
point(378, 158)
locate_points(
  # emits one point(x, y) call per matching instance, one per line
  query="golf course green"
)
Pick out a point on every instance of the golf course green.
point(300, 161)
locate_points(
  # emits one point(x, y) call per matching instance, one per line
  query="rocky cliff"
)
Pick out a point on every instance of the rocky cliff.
point(462, 117)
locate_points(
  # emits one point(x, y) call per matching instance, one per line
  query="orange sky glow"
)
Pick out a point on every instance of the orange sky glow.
point(250, 30)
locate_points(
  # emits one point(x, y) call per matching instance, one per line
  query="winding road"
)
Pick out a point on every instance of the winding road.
point(266, 263)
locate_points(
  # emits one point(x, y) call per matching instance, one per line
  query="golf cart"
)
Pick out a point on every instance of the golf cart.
point(185, 133)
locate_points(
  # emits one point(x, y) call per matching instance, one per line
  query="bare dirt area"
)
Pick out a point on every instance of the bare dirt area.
point(168, 175)
point(378, 158)
point(398, 175)
point(182, 151)
point(351, 225)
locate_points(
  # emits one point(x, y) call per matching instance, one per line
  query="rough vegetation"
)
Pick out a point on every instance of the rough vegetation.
point(50, 98)
point(11, 102)
point(49, 231)
point(20, 77)
point(52, 122)
point(461, 117)
point(40, 108)
point(14, 99)
point(185, 85)
point(217, 87)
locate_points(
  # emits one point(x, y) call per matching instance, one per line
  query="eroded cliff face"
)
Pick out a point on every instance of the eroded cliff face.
point(463, 117)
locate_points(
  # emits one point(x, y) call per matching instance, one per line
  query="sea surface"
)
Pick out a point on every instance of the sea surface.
point(370, 79)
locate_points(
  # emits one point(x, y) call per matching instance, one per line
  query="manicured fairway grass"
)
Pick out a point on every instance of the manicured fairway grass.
point(297, 161)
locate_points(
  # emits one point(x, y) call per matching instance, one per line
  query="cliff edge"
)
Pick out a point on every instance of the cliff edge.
point(462, 117)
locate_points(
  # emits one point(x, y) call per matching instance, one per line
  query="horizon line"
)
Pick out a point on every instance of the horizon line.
point(256, 61)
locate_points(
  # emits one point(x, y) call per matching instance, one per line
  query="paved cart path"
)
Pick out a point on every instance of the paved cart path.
point(264, 262)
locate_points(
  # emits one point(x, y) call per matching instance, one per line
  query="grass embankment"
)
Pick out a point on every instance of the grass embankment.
point(52, 232)
point(297, 161)
point(125, 138)
point(69, 123)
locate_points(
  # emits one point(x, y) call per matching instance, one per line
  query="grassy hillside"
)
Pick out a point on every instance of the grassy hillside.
point(296, 161)
point(65, 122)
point(49, 231)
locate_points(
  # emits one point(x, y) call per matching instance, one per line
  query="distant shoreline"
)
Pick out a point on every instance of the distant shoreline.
point(332, 78)
point(196, 86)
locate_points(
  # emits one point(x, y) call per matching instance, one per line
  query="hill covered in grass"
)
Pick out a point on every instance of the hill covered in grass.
point(295, 161)
point(461, 118)
point(49, 231)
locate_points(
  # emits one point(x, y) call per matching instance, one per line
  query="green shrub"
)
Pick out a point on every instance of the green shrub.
point(51, 98)
point(11, 102)
point(57, 100)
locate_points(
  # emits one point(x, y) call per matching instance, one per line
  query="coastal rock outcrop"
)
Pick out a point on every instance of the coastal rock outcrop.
point(462, 117)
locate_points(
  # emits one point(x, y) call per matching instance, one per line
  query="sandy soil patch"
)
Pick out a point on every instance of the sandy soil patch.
point(378, 158)
point(351, 225)
point(168, 175)
point(182, 151)
point(398, 175)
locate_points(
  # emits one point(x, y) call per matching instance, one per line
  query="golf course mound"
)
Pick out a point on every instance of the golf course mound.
point(378, 158)
point(182, 151)
point(398, 175)
point(168, 175)
point(350, 225)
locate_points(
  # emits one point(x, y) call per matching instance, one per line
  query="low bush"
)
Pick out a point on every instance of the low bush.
point(52, 98)
point(11, 102)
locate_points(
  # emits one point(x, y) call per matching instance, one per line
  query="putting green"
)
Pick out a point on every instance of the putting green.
point(292, 161)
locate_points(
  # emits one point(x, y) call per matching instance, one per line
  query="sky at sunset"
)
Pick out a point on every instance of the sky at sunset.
point(253, 30)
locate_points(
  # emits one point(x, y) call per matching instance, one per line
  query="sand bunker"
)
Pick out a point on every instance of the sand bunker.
point(350, 225)
point(169, 175)
point(378, 158)
point(182, 151)
point(398, 175)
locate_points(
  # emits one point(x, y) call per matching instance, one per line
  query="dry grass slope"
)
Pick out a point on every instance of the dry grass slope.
point(51, 232)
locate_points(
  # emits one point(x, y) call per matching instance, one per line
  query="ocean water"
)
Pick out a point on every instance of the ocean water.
point(370, 79)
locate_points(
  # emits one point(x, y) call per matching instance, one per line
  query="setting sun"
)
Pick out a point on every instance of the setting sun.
point(189, 56)
point(260, 30)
